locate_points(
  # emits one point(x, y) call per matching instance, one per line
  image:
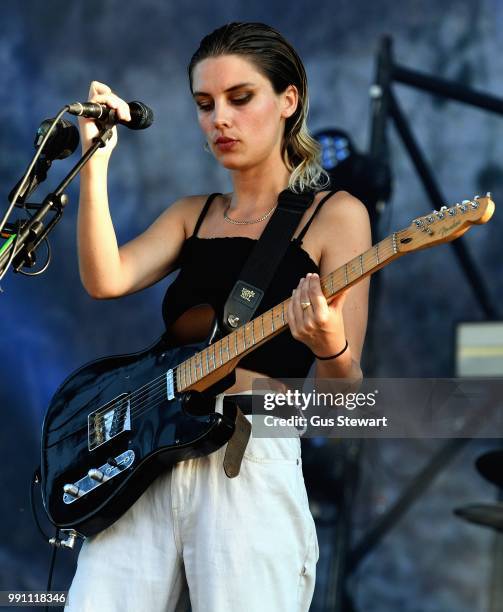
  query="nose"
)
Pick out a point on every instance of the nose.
point(221, 116)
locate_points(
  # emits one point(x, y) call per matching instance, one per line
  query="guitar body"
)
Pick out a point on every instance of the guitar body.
point(101, 419)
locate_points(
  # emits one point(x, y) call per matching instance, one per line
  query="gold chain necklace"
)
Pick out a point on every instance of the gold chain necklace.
point(238, 222)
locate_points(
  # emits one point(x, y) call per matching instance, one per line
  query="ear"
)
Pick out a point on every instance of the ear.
point(290, 100)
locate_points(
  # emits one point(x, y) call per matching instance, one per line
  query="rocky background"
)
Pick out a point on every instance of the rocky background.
point(49, 52)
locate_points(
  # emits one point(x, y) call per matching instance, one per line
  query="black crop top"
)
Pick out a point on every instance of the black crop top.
point(209, 268)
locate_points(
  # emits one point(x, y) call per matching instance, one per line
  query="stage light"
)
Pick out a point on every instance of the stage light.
point(361, 175)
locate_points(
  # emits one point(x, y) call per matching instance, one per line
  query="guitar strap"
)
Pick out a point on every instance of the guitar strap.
point(247, 293)
point(263, 261)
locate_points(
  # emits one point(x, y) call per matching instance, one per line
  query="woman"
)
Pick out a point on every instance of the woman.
point(246, 543)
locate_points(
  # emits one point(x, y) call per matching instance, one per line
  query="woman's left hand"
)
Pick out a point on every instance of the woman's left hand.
point(313, 320)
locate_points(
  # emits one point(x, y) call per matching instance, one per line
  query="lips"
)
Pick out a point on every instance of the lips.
point(223, 140)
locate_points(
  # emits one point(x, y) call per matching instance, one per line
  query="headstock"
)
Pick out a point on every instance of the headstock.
point(445, 225)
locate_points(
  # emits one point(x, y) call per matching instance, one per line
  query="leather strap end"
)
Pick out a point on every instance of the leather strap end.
point(236, 445)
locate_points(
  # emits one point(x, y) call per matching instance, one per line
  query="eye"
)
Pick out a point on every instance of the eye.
point(242, 99)
point(206, 106)
point(203, 107)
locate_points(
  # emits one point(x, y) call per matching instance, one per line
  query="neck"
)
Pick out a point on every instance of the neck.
point(256, 189)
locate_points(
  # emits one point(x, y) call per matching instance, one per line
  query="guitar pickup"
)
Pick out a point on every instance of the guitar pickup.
point(109, 421)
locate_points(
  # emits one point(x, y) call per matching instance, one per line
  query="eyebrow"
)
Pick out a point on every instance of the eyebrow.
point(203, 93)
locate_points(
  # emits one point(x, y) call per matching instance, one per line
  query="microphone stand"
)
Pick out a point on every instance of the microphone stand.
point(28, 234)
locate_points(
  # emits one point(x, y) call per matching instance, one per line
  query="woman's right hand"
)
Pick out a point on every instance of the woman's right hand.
point(101, 93)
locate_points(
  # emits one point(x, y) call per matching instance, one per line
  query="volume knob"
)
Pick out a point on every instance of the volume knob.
point(73, 490)
point(97, 475)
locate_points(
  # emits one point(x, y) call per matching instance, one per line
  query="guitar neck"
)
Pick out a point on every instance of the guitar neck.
point(230, 349)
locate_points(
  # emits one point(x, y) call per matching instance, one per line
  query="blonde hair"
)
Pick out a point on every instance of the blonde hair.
point(278, 61)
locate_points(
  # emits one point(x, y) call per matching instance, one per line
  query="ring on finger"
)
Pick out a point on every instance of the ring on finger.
point(305, 305)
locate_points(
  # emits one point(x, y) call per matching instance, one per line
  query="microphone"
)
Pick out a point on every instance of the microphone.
point(142, 116)
point(61, 144)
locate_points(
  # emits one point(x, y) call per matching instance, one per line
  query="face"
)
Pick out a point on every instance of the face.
point(235, 101)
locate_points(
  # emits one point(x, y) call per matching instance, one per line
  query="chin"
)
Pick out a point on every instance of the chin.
point(238, 162)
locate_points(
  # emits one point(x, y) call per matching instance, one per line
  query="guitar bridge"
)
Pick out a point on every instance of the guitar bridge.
point(109, 421)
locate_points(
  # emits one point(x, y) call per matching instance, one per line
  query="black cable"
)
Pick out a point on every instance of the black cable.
point(36, 480)
point(49, 255)
point(51, 569)
point(45, 266)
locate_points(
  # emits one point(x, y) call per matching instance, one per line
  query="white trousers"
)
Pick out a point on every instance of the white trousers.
point(244, 544)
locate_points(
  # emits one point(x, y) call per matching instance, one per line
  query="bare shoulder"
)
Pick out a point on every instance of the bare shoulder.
point(344, 214)
point(186, 210)
point(342, 205)
point(343, 229)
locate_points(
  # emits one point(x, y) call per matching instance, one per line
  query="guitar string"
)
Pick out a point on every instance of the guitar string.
point(149, 387)
point(161, 384)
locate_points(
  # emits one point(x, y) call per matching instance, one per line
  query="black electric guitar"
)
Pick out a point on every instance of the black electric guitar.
point(117, 422)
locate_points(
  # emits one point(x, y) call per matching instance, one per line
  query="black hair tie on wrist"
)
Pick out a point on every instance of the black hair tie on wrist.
point(333, 356)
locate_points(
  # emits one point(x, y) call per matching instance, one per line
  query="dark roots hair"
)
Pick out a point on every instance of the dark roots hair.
point(278, 61)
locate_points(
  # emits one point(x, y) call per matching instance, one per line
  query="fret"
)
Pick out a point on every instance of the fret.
point(244, 337)
point(229, 346)
point(214, 358)
point(182, 376)
point(283, 312)
point(191, 363)
point(221, 357)
point(207, 359)
point(361, 264)
point(272, 320)
point(346, 273)
point(253, 331)
point(377, 252)
point(262, 323)
point(236, 342)
point(188, 373)
point(332, 283)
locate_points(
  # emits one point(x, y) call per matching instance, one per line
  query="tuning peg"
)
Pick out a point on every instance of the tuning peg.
point(488, 194)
